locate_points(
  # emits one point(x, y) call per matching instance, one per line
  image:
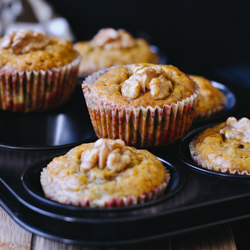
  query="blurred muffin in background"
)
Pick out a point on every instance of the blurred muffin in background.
point(111, 47)
point(37, 72)
point(211, 100)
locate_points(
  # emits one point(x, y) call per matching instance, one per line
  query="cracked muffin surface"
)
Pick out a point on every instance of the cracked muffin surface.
point(143, 85)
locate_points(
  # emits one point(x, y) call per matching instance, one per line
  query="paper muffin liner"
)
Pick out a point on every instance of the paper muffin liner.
point(139, 127)
point(37, 90)
point(114, 202)
point(200, 161)
point(211, 112)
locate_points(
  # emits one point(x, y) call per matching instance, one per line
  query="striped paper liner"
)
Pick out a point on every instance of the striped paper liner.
point(37, 90)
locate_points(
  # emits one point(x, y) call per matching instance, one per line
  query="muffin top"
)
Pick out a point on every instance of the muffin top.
point(209, 97)
point(226, 145)
point(29, 50)
point(143, 85)
point(111, 47)
point(101, 171)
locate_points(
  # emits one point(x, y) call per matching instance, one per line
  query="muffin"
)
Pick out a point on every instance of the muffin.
point(211, 101)
point(104, 174)
point(37, 72)
point(142, 104)
point(111, 47)
point(224, 147)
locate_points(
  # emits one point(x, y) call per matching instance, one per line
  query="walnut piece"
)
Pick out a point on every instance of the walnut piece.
point(110, 154)
point(151, 78)
point(24, 41)
point(237, 130)
point(109, 38)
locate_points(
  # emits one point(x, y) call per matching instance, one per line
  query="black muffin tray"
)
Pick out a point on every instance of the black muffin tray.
point(194, 199)
point(67, 125)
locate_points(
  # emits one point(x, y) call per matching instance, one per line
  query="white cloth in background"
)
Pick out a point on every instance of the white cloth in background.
point(47, 22)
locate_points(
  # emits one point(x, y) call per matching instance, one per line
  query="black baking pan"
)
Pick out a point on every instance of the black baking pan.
point(30, 202)
point(66, 125)
point(194, 199)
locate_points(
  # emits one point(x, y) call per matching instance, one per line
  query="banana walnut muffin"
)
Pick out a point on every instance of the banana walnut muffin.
point(143, 104)
point(105, 174)
point(110, 47)
point(211, 101)
point(37, 72)
point(224, 147)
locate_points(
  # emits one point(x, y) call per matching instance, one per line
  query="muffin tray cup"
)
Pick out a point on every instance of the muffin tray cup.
point(192, 159)
point(195, 198)
point(67, 125)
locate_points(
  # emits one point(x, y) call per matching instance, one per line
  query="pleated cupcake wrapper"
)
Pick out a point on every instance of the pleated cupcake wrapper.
point(200, 161)
point(211, 112)
point(37, 90)
point(115, 202)
point(139, 127)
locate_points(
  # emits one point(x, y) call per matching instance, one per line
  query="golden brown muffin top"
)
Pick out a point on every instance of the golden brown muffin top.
point(29, 50)
point(111, 47)
point(101, 171)
point(209, 97)
point(111, 39)
point(226, 144)
point(143, 85)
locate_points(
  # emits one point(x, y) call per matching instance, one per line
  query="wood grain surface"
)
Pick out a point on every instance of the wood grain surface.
point(14, 237)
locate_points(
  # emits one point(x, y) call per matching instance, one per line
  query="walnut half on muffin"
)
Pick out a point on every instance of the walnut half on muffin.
point(110, 47)
point(105, 174)
point(225, 147)
point(143, 104)
point(37, 72)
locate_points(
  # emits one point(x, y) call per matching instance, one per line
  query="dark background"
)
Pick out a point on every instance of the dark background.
point(199, 37)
